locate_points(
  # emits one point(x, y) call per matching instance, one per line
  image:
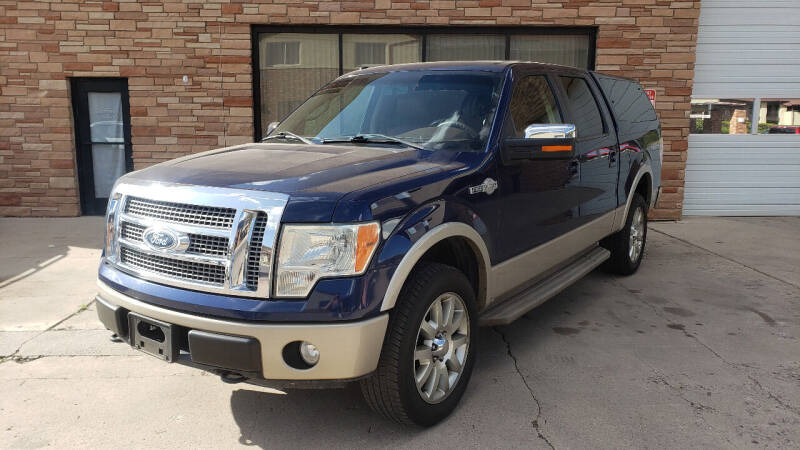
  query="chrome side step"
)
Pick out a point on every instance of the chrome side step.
point(511, 309)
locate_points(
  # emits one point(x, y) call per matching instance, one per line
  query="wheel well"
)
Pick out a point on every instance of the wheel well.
point(458, 252)
point(644, 188)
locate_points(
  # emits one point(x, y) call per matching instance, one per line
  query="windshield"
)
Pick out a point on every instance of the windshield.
point(430, 109)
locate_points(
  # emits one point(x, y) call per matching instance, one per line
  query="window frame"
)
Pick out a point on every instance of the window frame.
point(422, 31)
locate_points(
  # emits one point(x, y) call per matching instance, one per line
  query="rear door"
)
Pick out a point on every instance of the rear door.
point(596, 146)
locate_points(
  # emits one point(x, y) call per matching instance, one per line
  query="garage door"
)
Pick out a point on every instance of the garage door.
point(746, 175)
point(744, 143)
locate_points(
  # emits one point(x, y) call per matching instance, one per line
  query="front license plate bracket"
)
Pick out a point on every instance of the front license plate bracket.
point(154, 337)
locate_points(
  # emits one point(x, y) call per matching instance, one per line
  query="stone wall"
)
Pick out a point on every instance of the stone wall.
point(154, 44)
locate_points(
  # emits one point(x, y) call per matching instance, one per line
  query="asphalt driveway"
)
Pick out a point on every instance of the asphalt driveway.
point(699, 349)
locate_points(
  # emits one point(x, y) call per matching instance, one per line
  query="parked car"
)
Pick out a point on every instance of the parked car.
point(377, 227)
point(784, 129)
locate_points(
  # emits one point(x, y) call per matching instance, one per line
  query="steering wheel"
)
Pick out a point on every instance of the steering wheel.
point(457, 124)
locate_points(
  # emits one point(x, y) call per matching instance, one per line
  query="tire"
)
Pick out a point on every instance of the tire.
point(392, 389)
point(625, 259)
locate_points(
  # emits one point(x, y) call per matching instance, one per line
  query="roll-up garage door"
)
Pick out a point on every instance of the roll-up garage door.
point(744, 143)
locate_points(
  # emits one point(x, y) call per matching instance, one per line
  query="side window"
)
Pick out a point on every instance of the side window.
point(583, 107)
point(532, 102)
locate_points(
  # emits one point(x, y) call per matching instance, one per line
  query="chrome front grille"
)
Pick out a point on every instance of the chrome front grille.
point(180, 212)
point(185, 270)
point(131, 231)
point(198, 244)
point(208, 239)
point(254, 254)
point(207, 245)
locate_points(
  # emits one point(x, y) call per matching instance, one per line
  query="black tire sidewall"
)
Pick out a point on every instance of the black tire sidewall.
point(637, 203)
point(420, 411)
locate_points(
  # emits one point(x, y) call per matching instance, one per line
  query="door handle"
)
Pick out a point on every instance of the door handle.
point(612, 157)
point(573, 167)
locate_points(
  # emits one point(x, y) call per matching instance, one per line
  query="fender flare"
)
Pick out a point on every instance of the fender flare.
point(428, 240)
point(645, 169)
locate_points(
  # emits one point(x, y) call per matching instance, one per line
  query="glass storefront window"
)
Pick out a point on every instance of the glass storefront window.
point(293, 65)
point(721, 116)
point(552, 49)
point(459, 47)
point(366, 50)
point(779, 116)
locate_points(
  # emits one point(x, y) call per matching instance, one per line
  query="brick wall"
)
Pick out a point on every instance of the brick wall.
point(154, 44)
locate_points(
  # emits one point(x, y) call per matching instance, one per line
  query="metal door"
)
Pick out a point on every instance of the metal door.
point(102, 138)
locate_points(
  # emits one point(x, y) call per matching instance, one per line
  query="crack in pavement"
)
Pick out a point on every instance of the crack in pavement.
point(774, 397)
point(735, 366)
point(535, 421)
point(11, 356)
point(691, 244)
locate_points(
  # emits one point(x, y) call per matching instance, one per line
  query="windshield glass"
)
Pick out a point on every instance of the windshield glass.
point(430, 109)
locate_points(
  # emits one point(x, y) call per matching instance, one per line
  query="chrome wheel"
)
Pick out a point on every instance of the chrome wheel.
point(636, 239)
point(442, 347)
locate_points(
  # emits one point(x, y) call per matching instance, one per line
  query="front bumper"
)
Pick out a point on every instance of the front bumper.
point(347, 350)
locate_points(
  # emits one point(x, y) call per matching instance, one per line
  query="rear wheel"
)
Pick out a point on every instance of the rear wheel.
point(429, 352)
point(627, 245)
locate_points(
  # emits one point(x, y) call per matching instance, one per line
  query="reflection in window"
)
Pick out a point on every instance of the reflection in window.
point(452, 47)
point(365, 50)
point(583, 106)
point(532, 103)
point(721, 116)
point(283, 53)
point(779, 117)
point(294, 66)
point(552, 49)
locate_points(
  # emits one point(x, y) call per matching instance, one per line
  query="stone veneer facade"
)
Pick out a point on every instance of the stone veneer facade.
point(153, 44)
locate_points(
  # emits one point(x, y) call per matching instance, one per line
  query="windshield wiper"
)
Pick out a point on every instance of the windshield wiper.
point(287, 135)
point(372, 139)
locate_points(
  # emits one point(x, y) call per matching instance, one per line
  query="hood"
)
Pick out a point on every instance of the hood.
point(315, 177)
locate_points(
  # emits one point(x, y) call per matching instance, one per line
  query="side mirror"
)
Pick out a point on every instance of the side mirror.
point(541, 141)
point(271, 127)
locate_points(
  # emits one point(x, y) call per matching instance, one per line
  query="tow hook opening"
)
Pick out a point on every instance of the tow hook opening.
point(231, 377)
point(150, 331)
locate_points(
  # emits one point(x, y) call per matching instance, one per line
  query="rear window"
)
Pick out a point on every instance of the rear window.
point(583, 106)
point(632, 109)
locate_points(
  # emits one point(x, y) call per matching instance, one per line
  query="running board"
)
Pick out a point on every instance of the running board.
point(513, 308)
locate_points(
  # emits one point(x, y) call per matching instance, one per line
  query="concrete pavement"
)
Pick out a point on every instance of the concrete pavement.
point(698, 349)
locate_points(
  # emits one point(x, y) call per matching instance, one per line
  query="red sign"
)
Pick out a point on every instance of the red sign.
point(651, 95)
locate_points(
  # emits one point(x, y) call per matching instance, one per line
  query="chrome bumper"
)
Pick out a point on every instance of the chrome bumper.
point(347, 350)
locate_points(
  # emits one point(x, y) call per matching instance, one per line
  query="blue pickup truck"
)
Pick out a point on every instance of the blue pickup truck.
point(377, 227)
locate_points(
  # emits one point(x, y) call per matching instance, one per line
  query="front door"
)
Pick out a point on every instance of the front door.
point(103, 138)
point(539, 197)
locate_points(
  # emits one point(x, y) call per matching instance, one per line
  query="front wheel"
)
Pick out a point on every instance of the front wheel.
point(429, 350)
point(627, 245)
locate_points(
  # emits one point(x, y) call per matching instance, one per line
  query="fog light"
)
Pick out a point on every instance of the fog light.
point(309, 353)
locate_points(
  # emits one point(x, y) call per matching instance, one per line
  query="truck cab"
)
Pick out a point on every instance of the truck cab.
point(374, 230)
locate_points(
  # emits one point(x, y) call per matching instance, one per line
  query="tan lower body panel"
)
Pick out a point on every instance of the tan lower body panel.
point(347, 350)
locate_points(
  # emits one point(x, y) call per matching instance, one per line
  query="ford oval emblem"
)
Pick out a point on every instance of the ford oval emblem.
point(160, 238)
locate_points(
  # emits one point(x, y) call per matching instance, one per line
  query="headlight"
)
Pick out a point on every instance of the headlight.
point(310, 252)
point(111, 213)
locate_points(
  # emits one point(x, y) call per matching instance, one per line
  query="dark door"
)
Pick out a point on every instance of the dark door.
point(538, 197)
point(103, 138)
point(596, 146)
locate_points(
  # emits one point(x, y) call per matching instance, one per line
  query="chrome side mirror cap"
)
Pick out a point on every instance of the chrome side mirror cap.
point(550, 131)
point(271, 127)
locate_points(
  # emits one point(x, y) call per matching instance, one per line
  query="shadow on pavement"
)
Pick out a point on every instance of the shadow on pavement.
point(340, 417)
point(40, 242)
